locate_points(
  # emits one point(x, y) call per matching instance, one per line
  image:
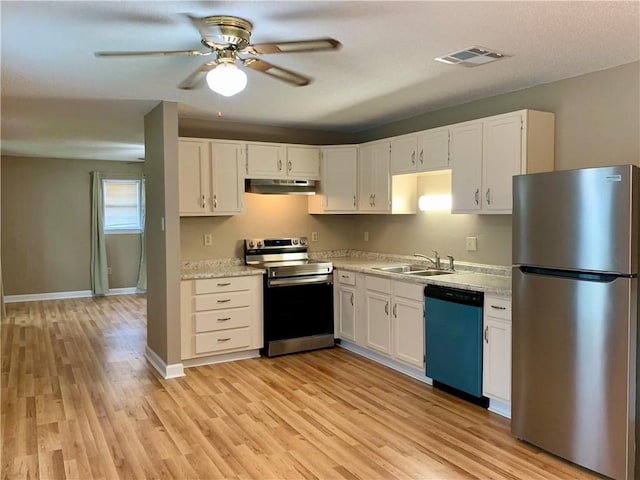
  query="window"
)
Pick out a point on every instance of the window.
point(122, 206)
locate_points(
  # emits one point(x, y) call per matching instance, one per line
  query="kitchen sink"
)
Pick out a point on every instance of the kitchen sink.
point(402, 268)
point(419, 270)
point(429, 273)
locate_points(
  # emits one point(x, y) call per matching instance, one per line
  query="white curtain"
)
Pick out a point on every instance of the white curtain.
point(141, 286)
point(99, 274)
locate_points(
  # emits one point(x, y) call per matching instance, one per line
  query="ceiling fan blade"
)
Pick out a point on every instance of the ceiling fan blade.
point(277, 72)
point(196, 77)
point(165, 53)
point(313, 45)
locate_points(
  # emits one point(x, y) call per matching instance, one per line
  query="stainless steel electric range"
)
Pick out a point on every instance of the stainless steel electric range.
point(298, 295)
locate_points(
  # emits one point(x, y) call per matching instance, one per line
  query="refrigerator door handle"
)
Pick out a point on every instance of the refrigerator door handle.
point(584, 276)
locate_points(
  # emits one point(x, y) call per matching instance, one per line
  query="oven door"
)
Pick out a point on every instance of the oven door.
point(298, 314)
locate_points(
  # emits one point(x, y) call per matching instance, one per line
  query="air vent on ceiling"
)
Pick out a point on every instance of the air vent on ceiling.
point(471, 57)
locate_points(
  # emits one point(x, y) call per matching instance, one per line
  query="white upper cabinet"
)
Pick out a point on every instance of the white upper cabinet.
point(266, 160)
point(193, 167)
point(338, 191)
point(303, 162)
point(433, 150)
point(466, 163)
point(404, 154)
point(210, 177)
point(487, 153)
point(374, 177)
point(275, 160)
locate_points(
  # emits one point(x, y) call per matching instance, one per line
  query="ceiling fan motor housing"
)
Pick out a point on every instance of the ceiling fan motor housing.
point(233, 31)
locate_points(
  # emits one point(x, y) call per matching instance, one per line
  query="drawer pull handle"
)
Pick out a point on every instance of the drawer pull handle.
point(224, 301)
point(498, 307)
point(224, 284)
point(226, 339)
point(344, 276)
point(224, 319)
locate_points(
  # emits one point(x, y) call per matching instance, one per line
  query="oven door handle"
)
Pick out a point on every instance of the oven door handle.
point(292, 281)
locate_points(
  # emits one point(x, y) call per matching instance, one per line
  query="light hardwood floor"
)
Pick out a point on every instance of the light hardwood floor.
point(80, 401)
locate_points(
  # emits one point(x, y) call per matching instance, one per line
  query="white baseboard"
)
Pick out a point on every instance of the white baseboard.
point(227, 357)
point(500, 407)
point(36, 297)
point(173, 370)
point(387, 362)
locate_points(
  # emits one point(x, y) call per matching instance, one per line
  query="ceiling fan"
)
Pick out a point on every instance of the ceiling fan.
point(229, 40)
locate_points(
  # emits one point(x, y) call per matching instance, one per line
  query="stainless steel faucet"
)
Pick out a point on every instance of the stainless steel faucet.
point(435, 260)
point(450, 257)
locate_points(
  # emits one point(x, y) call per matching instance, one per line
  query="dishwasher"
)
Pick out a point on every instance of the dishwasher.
point(453, 341)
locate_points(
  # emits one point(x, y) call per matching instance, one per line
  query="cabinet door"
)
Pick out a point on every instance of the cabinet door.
point(378, 308)
point(226, 178)
point(365, 177)
point(502, 159)
point(266, 160)
point(496, 375)
point(403, 154)
point(466, 165)
point(340, 178)
point(347, 312)
point(193, 160)
point(433, 150)
point(381, 181)
point(303, 162)
point(408, 331)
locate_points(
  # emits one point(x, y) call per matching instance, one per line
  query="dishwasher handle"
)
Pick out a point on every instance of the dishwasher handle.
point(454, 295)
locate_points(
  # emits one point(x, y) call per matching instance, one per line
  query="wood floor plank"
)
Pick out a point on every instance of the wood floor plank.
point(79, 401)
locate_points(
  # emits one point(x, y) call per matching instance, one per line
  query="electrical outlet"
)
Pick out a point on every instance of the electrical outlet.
point(366, 236)
point(208, 239)
point(472, 244)
point(314, 236)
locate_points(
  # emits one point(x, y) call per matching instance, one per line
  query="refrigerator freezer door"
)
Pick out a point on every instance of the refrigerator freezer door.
point(573, 387)
point(577, 219)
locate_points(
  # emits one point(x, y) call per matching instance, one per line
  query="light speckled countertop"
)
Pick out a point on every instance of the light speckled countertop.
point(490, 279)
point(483, 278)
point(216, 269)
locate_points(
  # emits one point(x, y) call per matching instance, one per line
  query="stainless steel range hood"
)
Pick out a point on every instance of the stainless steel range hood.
point(280, 187)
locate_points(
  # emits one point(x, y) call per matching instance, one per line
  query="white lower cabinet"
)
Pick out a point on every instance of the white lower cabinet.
point(345, 304)
point(496, 352)
point(221, 315)
point(394, 317)
point(408, 323)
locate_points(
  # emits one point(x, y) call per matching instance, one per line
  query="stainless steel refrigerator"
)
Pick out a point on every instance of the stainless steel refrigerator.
point(575, 315)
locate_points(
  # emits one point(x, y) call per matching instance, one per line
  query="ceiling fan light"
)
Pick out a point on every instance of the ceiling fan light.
point(227, 79)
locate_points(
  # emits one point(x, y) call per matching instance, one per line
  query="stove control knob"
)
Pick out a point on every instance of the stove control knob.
point(259, 244)
point(303, 241)
point(251, 244)
point(295, 241)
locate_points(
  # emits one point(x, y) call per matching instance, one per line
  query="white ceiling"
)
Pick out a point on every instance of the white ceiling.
point(59, 100)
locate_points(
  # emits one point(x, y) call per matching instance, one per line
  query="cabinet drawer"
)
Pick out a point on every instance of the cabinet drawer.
point(498, 307)
point(378, 284)
point(412, 291)
point(227, 284)
point(219, 301)
point(222, 319)
point(346, 278)
point(225, 340)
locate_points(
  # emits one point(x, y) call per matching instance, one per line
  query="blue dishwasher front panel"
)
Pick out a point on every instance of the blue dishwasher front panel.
point(453, 334)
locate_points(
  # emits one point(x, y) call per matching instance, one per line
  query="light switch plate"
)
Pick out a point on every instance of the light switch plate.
point(314, 236)
point(366, 236)
point(472, 244)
